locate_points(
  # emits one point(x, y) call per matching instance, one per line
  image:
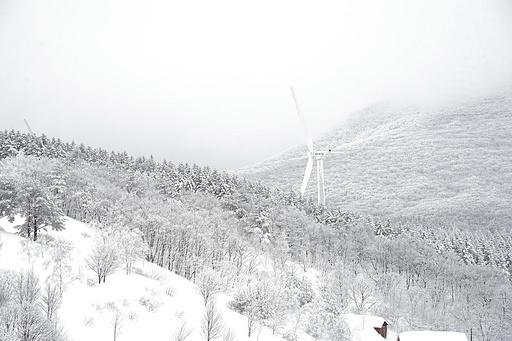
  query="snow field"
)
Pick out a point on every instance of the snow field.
point(149, 304)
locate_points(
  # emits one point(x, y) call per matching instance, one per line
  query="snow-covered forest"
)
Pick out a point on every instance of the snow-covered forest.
point(444, 165)
point(288, 266)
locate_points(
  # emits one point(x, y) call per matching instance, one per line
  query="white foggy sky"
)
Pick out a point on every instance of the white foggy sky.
point(207, 82)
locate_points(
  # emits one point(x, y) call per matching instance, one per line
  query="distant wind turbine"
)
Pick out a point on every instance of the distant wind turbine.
point(32, 133)
point(319, 155)
point(28, 127)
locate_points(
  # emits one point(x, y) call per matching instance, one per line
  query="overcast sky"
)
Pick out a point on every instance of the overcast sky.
point(208, 82)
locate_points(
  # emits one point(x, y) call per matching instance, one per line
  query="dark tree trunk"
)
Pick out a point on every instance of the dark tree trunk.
point(35, 229)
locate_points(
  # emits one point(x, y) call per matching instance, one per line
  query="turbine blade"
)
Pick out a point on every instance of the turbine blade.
point(28, 127)
point(307, 175)
point(309, 141)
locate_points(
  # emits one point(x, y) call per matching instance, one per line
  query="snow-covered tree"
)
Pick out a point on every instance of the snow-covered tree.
point(361, 292)
point(130, 246)
point(103, 259)
point(26, 288)
point(32, 180)
point(60, 261)
point(257, 302)
point(208, 284)
point(51, 301)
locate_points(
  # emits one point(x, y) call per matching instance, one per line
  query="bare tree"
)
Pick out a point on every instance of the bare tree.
point(212, 324)
point(6, 285)
point(339, 330)
point(229, 335)
point(117, 322)
point(182, 333)
point(31, 325)
point(208, 284)
point(26, 288)
point(361, 293)
point(51, 300)
point(61, 259)
point(103, 259)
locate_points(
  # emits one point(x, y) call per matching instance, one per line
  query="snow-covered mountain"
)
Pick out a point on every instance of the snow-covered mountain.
point(447, 164)
point(289, 268)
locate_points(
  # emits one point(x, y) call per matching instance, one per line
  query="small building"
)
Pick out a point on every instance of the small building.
point(383, 331)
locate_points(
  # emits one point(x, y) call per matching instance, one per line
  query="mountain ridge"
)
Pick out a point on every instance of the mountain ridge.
point(412, 163)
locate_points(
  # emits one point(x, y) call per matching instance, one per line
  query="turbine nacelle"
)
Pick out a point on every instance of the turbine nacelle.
point(320, 154)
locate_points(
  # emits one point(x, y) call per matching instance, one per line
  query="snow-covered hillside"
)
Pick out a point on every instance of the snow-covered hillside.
point(432, 336)
point(446, 164)
point(149, 304)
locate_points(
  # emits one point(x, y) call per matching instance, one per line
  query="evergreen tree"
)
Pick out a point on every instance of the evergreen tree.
point(33, 199)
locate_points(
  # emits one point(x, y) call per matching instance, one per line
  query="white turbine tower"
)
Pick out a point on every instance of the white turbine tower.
point(318, 155)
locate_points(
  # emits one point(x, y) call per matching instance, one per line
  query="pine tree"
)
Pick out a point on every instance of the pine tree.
point(33, 197)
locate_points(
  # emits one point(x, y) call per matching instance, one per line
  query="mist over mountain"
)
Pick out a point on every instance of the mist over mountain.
point(447, 165)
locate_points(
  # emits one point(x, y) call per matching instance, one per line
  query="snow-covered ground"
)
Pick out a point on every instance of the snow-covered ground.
point(432, 336)
point(151, 303)
point(362, 328)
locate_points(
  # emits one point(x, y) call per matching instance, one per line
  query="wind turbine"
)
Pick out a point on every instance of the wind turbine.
point(28, 127)
point(32, 133)
point(318, 155)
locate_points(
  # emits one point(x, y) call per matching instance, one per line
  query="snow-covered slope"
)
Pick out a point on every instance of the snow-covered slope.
point(449, 164)
point(151, 304)
point(432, 336)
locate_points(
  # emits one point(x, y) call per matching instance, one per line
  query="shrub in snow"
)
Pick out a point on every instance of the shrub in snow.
point(132, 315)
point(88, 321)
point(229, 335)
point(170, 290)
point(179, 313)
point(181, 333)
point(150, 304)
